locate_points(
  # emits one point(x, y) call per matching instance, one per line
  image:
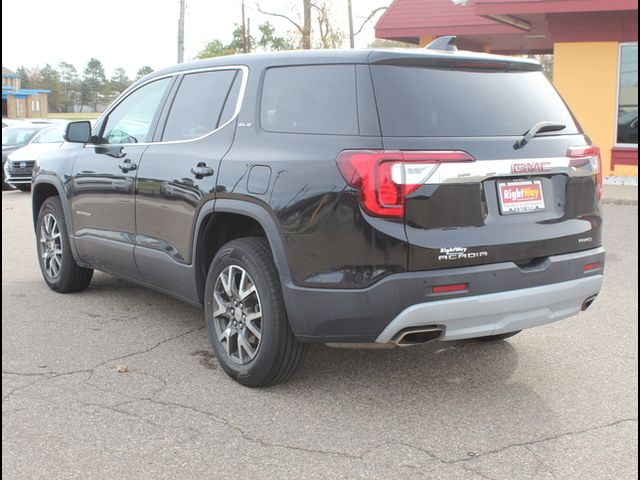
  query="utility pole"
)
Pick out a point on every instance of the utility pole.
point(351, 40)
point(244, 31)
point(181, 32)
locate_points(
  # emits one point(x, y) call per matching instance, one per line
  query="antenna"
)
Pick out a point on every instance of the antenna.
point(447, 43)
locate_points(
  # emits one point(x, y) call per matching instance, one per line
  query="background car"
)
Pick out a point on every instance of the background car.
point(18, 168)
point(14, 138)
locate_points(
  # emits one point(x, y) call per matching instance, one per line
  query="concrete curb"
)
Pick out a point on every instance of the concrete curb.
point(620, 194)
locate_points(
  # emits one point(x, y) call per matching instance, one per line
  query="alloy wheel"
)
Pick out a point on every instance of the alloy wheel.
point(51, 245)
point(237, 314)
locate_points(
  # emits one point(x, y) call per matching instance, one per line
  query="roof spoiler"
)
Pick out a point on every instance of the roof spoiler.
point(447, 43)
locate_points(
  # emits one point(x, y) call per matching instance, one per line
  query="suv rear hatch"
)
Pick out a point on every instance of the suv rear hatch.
point(455, 166)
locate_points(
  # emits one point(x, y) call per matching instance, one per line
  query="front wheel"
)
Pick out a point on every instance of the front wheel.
point(246, 317)
point(59, 268)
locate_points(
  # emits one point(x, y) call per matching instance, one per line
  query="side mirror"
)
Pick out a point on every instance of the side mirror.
point(78, 132)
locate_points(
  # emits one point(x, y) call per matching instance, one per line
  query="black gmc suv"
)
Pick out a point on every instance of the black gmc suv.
point(356, 198)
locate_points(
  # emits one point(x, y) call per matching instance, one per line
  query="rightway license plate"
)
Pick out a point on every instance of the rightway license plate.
point(523, 196)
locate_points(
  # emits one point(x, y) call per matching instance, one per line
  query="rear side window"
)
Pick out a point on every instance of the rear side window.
point(198, 106)
point(317, 99)
point(428, 102)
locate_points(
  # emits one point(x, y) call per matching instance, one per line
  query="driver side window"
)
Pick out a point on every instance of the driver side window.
point(131, 120)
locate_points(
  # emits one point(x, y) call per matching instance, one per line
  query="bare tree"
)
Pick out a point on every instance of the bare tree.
point(366, 20)
point(329, 36)
point(304, 29)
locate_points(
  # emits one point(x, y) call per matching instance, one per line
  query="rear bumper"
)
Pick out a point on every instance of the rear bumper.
point(500, 297)
point(496, 313)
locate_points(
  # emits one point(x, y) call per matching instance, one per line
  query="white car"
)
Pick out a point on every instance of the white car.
point(18, 168)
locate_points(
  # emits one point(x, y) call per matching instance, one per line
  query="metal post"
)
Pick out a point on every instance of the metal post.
point(244, 31)
point(351, 40)
point(181, 32)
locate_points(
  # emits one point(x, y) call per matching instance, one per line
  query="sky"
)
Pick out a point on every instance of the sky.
point(133, 33)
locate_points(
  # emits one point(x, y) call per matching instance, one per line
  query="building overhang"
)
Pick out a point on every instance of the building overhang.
point(511, 26)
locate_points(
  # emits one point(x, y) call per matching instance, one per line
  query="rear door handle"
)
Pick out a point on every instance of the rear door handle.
point(127, 165)
point(202, 170)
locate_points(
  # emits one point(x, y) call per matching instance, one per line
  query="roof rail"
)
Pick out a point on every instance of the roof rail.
point(447, 43)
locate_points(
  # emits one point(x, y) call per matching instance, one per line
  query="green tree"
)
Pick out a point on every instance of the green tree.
point(25, 77)
point(94, 82)
point(70, 85)
point(143, 72)
point(269, 41)
point(48, 78)
point(118, 83)
point(215, 48)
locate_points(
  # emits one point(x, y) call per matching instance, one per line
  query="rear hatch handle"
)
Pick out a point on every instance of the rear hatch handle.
point(536, 129)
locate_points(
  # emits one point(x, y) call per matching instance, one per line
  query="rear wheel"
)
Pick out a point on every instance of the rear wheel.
point(59, 268)
point(246, 317)
point(24, 187)
point(494, 338)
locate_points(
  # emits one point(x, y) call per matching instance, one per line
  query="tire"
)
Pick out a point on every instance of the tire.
point(24, 187)
point(495, 338)
point(61, 274)
point(264, 330)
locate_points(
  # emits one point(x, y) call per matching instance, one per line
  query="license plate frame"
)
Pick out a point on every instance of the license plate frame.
point(518, 197)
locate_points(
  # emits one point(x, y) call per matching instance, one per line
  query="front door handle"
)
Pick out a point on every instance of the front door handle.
point(127, 165)
point(202, 170)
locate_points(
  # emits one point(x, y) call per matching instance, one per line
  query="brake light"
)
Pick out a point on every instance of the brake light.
point(582, 155)
point(384, 178)
point(457, 287)
point(590, 267)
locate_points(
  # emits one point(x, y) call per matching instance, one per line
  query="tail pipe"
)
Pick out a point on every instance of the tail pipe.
point(417, 335)
point(587, 303)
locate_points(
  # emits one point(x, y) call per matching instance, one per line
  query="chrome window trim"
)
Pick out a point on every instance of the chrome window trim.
point(243, 85)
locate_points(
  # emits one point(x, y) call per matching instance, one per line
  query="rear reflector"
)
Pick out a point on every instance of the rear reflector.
point(582, 155)
point(457, 287)
point(590, 267)
point(385, 177)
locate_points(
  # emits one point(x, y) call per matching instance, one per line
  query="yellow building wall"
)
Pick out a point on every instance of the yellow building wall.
point(424, 41)
point(586, 75)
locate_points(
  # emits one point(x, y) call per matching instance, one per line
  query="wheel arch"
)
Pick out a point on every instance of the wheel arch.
point(46, 187)
point(257, 215)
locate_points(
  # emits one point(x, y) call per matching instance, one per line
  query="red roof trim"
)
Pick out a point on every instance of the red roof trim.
point(508, 7)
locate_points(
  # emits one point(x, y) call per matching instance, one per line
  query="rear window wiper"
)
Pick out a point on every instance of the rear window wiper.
point(536, 129)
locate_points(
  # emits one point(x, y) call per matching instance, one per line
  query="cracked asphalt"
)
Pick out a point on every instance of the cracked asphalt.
point(555, 402)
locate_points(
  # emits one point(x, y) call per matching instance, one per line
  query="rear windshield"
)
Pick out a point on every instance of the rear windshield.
point(428, 102)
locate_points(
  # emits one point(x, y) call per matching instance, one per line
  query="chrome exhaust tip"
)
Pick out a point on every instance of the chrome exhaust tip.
point(417, 336)
point(587, 303)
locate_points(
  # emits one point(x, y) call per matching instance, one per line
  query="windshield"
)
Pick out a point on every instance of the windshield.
point(53, 135)
point(17, 135)
point(429, 102)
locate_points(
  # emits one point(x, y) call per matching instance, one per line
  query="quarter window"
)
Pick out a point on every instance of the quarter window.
point(628, 95)
point(131, 120)
point(317, 99)
point(204, 102)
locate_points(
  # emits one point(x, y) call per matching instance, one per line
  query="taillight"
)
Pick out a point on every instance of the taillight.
point(587, 154)
point(384, 178)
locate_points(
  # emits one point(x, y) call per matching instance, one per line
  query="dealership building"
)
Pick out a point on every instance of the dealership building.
point(594, 45)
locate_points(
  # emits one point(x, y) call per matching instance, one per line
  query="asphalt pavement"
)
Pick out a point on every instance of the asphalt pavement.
point(556, 402)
